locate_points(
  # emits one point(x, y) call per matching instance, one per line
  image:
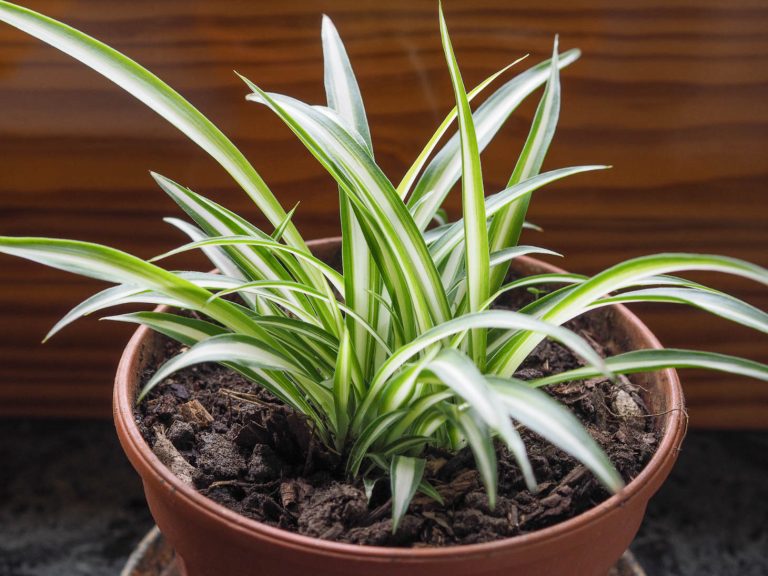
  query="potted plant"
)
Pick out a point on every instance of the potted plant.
point(402, 386)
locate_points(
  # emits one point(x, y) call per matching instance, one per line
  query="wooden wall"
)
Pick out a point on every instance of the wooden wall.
point(673, 94)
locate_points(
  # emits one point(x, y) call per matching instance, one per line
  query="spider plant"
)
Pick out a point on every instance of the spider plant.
point(403, 348)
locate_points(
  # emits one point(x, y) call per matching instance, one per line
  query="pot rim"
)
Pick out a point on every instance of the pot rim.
point(649, 478)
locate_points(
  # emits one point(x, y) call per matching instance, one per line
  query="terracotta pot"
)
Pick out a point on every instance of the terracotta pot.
point(212, 540)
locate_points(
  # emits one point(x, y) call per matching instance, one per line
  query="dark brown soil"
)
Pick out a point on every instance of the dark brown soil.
point(260, 459)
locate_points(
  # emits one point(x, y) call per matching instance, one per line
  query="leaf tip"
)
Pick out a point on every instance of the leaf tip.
point(162, 181)
point(144, 391)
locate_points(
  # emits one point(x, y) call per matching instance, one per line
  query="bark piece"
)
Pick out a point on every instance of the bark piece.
point(195, 413)
point(170, 456)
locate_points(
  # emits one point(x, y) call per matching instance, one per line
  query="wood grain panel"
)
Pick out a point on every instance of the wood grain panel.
point(673, 94)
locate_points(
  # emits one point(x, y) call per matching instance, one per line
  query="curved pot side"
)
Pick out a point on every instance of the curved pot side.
point(213, 540)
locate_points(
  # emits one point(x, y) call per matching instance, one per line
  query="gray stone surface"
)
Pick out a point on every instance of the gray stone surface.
point(70, 505)
point(711, 517)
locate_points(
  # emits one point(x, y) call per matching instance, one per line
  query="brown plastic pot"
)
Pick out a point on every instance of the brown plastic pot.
point(211, 540)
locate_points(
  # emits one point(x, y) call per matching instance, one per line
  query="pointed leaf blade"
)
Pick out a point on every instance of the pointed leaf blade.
point(651, 360)
point(581, 296)
point(545, 416)
point(235, 348)
point(477, 251)
point(508, 223)
point(445, 168)
point(405, 475)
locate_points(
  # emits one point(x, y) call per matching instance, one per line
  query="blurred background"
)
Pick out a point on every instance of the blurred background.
point(673, 95)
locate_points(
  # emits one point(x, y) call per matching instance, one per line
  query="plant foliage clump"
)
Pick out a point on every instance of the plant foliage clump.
point(403, 348)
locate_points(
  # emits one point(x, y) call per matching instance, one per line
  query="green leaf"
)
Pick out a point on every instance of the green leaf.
point(341, 86)
point(392, 234)
point(342, 388)
point(375, 430)
point(130, 294)
point(535, 280)
point(453, 235)
point(158, 96)
point(216, 221)
point(428, 490)
point(280, 228)
point(309, 333)
point(507, 254)
point(445, 168)
point(263, 287)
point(546, 302)
point(508, 223)
point(235, 348)
point(433, 424)
point(218, 257)
point(554, 422)
point(360, 273)
point(457, 292)
point(531, 226)
point(473, 202)
point(188, 331)
point(583, 295)
point(503, 319)
point(460, 374)
point(223, 262)
point(479, 440)
point(112, 296)
point(711, 301)
point(415, 412)
point(360, 278)
point(404, 445)
point(405, 475)
point(256, 260)
point(452, 268)
point(418, 164)
point(103, 263)
point(401, 388)
point(307, 258)
point(369, 484)
point(650, 360)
